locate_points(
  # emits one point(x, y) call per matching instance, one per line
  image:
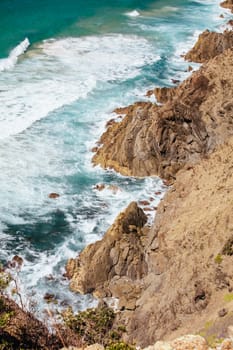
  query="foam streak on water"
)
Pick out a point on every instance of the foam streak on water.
point(11, 60)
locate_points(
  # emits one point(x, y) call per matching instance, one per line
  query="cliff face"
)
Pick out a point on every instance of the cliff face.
point(177, 276)
point(111, 266)
point(182, 272)
point(159, 140)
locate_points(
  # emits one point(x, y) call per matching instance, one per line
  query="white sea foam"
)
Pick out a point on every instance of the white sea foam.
point(133, 13)
point(11, 60)
point(63, 71)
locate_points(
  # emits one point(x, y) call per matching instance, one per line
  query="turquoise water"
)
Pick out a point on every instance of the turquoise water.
point(84, 60)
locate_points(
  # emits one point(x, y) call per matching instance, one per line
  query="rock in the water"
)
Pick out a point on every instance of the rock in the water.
point(54, 195)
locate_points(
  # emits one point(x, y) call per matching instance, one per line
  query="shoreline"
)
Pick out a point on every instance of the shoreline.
point(168, 95)
point(134, 272)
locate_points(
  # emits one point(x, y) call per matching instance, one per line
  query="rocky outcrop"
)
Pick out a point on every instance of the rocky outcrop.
point(209, 45)
point(189, 277)
point(112, 265)
point(183, 263)
point(228, 4)
point(160, 140)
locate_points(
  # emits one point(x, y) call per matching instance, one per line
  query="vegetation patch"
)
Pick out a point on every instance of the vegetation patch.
point(120, 346)
point(218, 259)
point(5, 317)
point(228, 297)
point(93, 325)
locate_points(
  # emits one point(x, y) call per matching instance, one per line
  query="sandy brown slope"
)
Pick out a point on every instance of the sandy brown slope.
point(188, 256)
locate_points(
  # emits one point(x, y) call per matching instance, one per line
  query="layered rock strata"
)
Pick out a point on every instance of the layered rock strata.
point(160, 140)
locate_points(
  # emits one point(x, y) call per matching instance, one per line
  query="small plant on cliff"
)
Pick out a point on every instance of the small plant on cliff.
point(218, 259)
point(228, 297)
point(5, 279)
point(93, 325)
point(120, 346)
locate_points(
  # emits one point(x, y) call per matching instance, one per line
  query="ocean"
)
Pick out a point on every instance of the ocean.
point(64, 67)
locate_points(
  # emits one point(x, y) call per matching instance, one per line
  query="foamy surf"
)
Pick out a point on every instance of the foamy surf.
point(11, 60)
point(133, 13)
point(64, 71)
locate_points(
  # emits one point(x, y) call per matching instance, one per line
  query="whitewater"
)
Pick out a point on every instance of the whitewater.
point(57, 93)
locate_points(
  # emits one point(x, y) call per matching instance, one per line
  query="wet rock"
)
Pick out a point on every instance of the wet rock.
point(175, 81)
point(54, 195)
point(49, 297)
point(16, 262)
point(99, 187)
point(143, 202)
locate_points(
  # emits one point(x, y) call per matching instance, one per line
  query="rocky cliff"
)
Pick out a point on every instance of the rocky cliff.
point(187, 257)
point(209, 45)
point(159, 140)
point(177, 276)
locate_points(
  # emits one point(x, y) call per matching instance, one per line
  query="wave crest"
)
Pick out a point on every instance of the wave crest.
point(11, 60)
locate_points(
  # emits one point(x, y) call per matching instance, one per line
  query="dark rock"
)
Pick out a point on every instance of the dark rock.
point(54, 195)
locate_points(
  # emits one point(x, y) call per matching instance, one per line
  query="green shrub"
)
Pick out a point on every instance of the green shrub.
point(228, 297)
point(218, 259)
point(120, 346)
point(93, 325)
point(5, 317)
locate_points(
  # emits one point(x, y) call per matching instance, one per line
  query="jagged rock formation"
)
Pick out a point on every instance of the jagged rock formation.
point(228, 4)
point(186, 257)
point(112, 265)
point(209, 45)
point(160, 140)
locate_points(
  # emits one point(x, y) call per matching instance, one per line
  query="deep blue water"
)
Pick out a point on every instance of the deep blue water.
point(85, 58)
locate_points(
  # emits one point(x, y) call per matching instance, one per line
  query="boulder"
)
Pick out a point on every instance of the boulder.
point(118, 254)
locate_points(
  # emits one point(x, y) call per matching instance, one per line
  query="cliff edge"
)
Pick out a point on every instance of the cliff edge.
point(159, 140)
